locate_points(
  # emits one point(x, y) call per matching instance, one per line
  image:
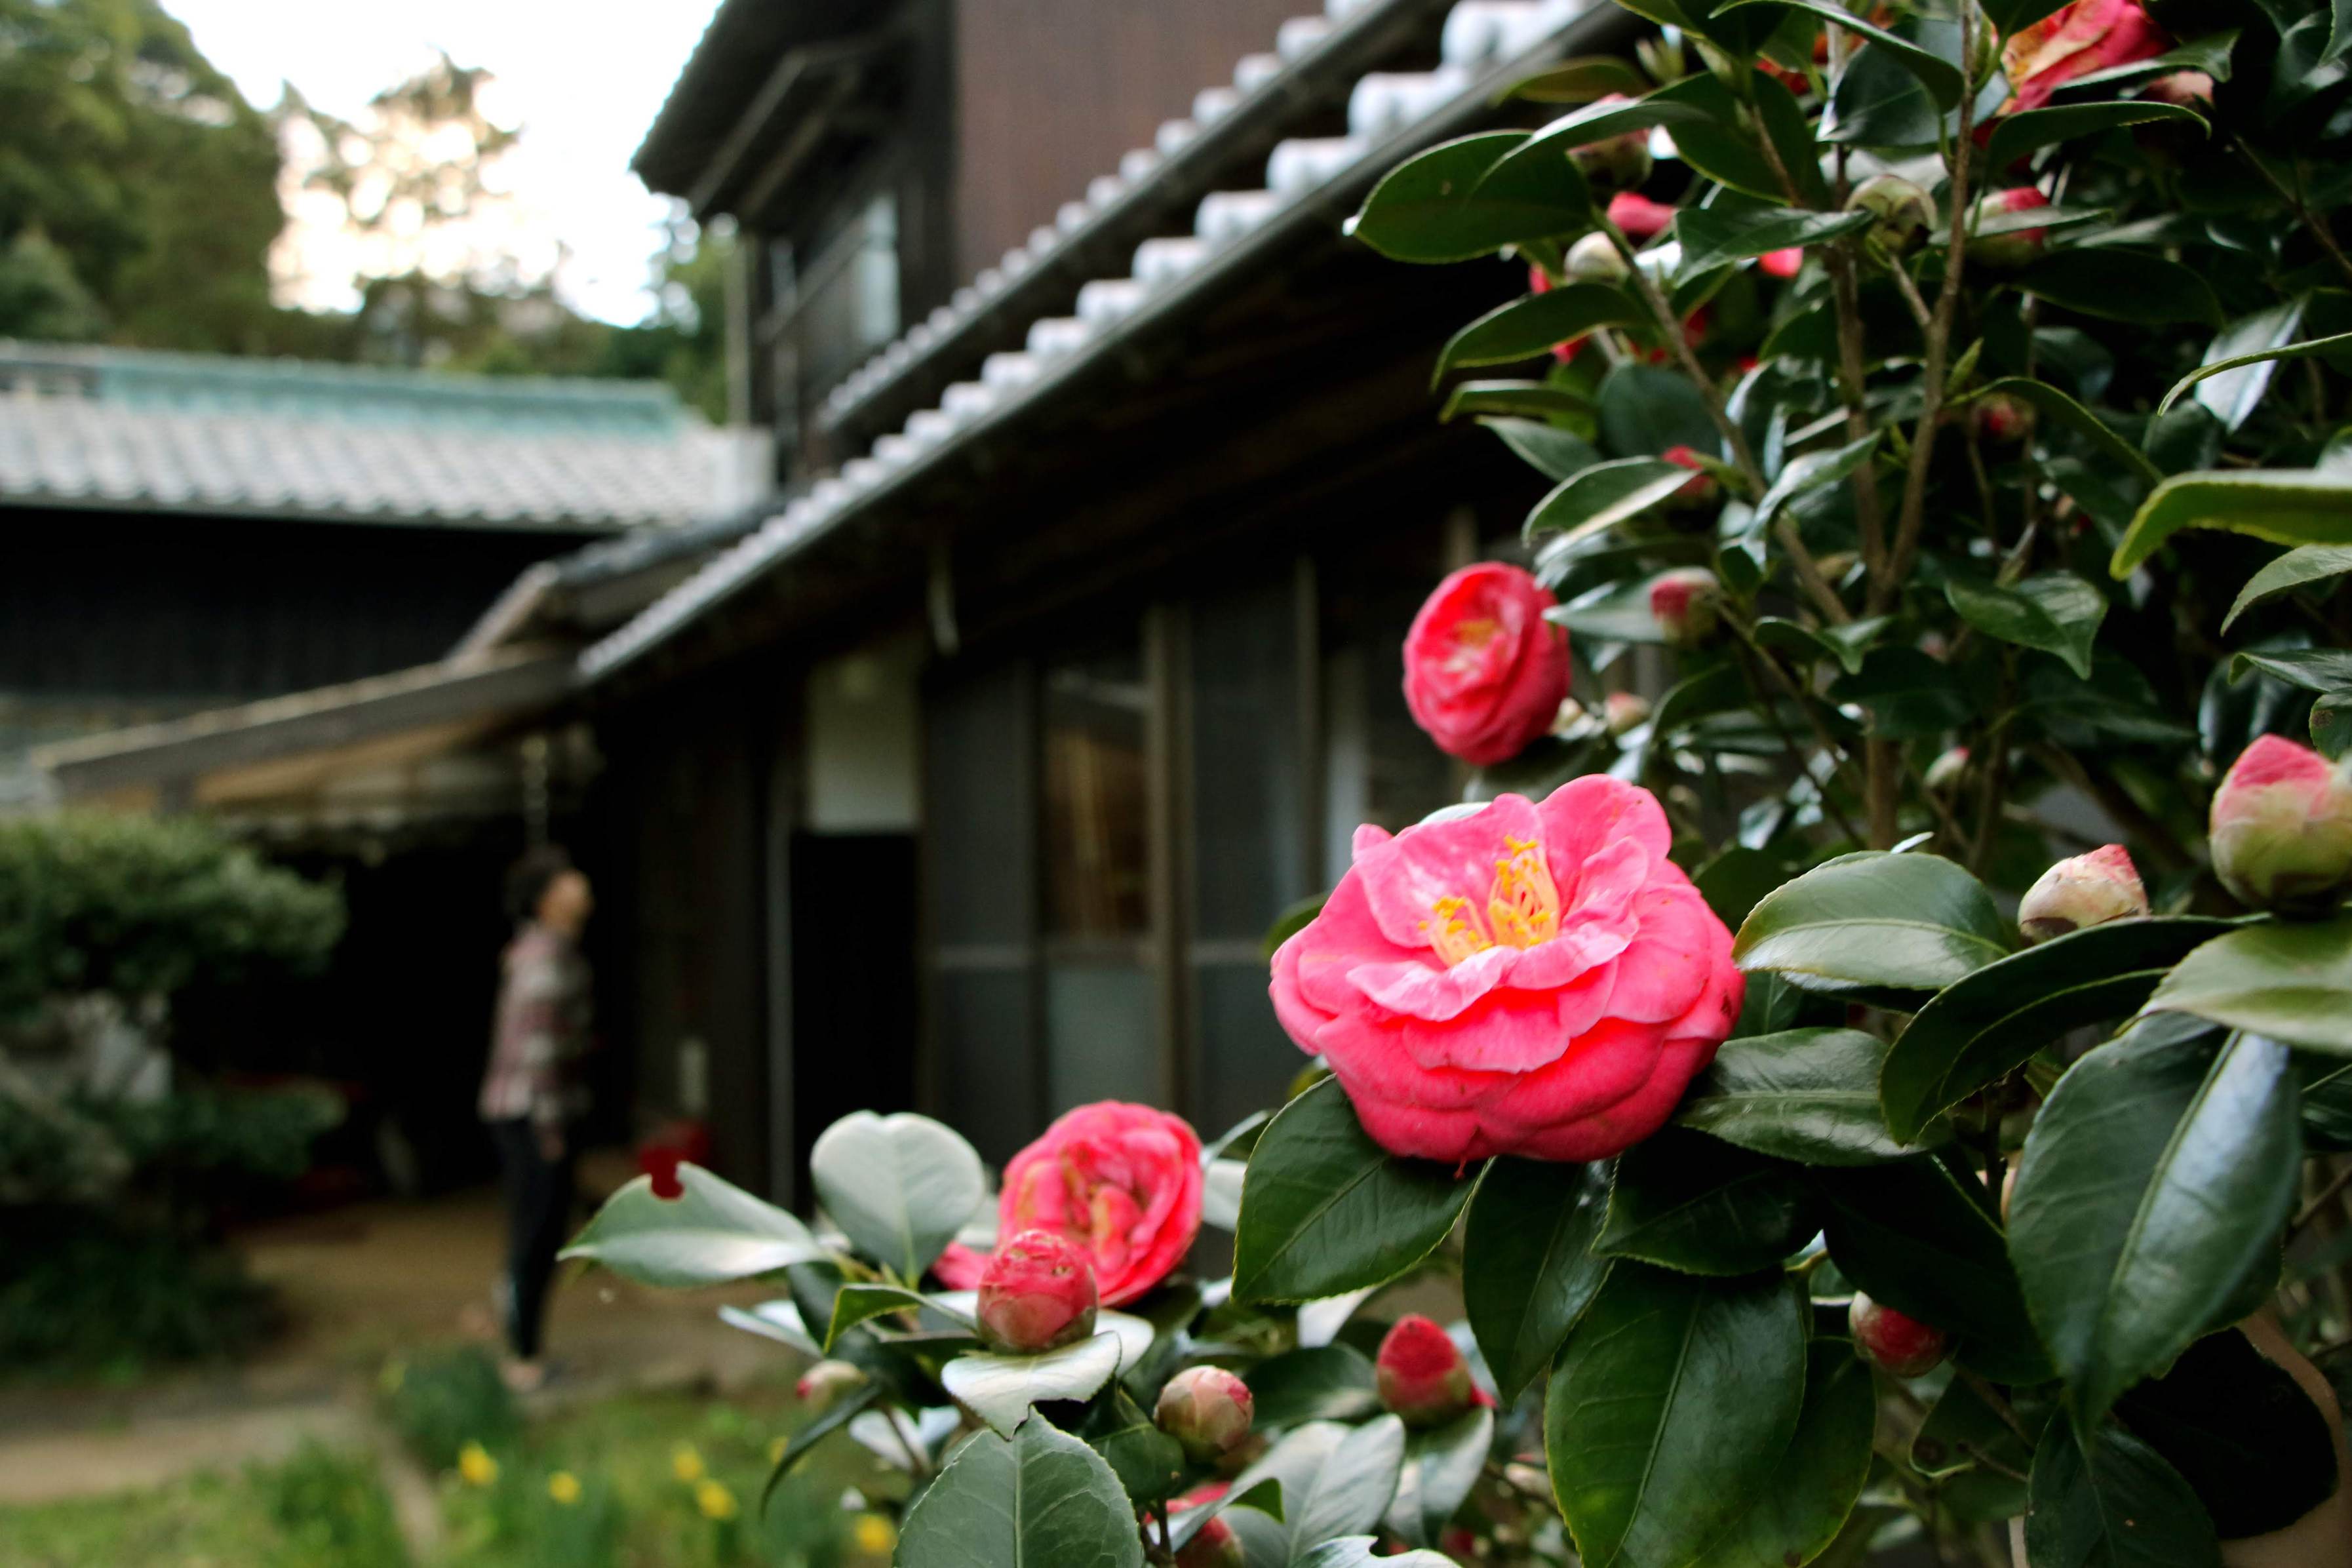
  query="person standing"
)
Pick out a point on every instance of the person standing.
point(532, 1095)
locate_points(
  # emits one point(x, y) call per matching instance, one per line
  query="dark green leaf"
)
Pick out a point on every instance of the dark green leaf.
point(1715, 146)
point(1961, 1429)
point(2064, 409)
point(1441, 1466)
point(2155, 1176)
point(2311, 563)
point(1612, 612)
point(2208, 52)
point(2242, 1433)
point(1938, 75)
point(1847, 643)
point(1149, 1463)
point(1670, 1410)
point(1912, 922)
point(2290, 981)
point(1325, 1210)
point(856, 1304)
point(1425, 209)
point(711, 1233)
point(2312, 669)
point(2015, 135)
point(1533, 323)
point(1322, 1382)
point(1788, 126)
point(2331, 725)
point(1810, 1095)
point(1290, 922)
point(1799, 1511)
point(2281, 505)
point(2098, 282)
point(1646, 410)
point(900, 1186)
point(2010, 15)
point(2056, 611)
point(1811, 470)
point(1910, 1236)
point(1719, 236)
point(2237, 369)
point(840, 1413)
point(1582, 80)
point(1535, 399)
point(1976, 1031)
point(2122, 1507)
point(1039, 1500)
point(1878, 100)
point(1529, 1269)
point(1596, 122)
point(1908, 694)
point(1700, 1206)
point(1555, 453)
point(1605, 496)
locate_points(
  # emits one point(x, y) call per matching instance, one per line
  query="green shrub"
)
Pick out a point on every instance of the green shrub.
point(441, 1401)
point(331, 1510)
point(82, 1293)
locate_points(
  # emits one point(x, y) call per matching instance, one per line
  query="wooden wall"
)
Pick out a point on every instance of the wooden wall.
point(1049, 93)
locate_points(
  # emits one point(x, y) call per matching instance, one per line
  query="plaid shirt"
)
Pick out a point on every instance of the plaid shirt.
point(538, 1033)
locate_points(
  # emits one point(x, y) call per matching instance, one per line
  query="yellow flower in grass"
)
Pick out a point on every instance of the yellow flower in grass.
point(715, 1500)
point(564, 1488)
point(686, 1464)
point(875, 1535)
point(474, 1463)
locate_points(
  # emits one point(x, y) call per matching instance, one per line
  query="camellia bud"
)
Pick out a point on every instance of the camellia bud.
point(1616, 162)
point(1421, 1374)
point(1904, 1346)
point(2183, 89)
point(1946, 771)
point(1594, 260)
point(2012, 249)
point(2001, 419)
point(2281, 828)
point(1903, 213)
point(1215, 1545)
point(1639, 218)
point(1701, 491)
point(1207, 1410)
point(1037, 1292)
point(827, 1381)
point(1625, 710)
point(1684, 602)
point(2087, 890)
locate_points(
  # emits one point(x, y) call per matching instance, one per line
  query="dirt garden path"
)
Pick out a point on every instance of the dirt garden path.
point(363, 1284)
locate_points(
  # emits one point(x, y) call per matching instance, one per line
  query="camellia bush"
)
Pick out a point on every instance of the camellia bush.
point(1868, 1065)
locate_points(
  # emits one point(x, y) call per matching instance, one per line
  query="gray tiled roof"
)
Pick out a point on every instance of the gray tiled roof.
point(88, 428)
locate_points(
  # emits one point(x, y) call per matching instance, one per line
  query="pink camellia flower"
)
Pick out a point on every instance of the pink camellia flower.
point(2072, 42)
point(1904, 1346)
point(2282, 827)
point(1036, 1293)
point(1123, 1182)
point(1532, 979)
point(2087, 890)
point(1421, 1374)
point(1207, 1410)
point(2182, 89)
point(1782, 263)
point(1483, 671)
point(1640, 218)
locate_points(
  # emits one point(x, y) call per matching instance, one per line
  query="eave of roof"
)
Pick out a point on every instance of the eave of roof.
point(1172, 283)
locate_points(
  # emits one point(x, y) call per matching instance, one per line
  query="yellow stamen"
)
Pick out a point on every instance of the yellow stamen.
point(1522, 908)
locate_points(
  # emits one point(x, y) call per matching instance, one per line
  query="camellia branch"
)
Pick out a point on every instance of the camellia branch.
point(2303, 215)
point(1734, 440)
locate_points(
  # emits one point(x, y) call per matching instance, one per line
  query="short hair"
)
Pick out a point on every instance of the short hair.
point(529, 878)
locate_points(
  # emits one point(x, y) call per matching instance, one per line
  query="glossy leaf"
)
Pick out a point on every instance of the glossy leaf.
point(1808, 1095)
point(2239, 361)
point(1286, 1472)
point(1325, 1210)
point(1041, 1499)
point(2122, 1507)
point(2241, 1432)
point(2016, 135)
point(2093, 281)
point(2065, 410)
point(2331, 725)
point(1533, 323)
point(2289, 981)
point(711, 1233)
point(1581, 80)
point(1913, 922)
point(1000, 1389)
point(1149, 1463)
point(2056, 611)
point(1693, 1203)
point(1962, 1429)
point(1718, 146)
point(1320, 1383)
point(2311, 563)
point(1605, 496)
point(1847, 643)
point(900, 1186)
point(1532, 399)
point(1812, 470)
point(2312, 669)
point(1974, 1032)
point(1670, 1409)
point(2158, 1173)
point(1529, 1269)
point(1799, 1511)
point(1441, 206)
point(1597, 121)
point(856, 1304)
point(1907, 694)
point(1713, 237)
point(1365, 1551)
point(1879, 101)
point(2207, 52)
point(1555, 453)
point(1441, 1466)
point(1352, 1488)
point(1646, 410)
point(1909, 1236)
point(1939, 76)
point(2285, 506)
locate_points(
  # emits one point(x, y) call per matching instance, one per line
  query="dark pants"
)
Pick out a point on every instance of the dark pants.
point(539, 1212)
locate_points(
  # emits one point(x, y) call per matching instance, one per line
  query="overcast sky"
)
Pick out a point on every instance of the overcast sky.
point(585, 77)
